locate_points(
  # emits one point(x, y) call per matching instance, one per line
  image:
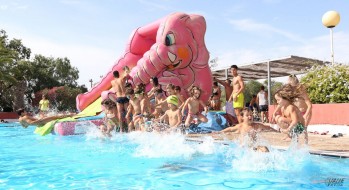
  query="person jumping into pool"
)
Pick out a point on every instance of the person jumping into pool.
point(290, 120)
point(193, 103)
point(110, 120)
point(247, 127)
point(173, 114)
point(25, 119)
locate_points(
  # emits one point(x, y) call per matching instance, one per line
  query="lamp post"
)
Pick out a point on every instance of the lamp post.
point(330, 19)
point(91, 81)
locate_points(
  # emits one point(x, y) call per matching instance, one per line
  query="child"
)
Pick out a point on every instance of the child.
point(247, 126)
point(110, 119)
point(133, 109)
point(144, 111)
point(151, 94)
point(44, 105)
point(215, 102)
point(193, 103)
point(155, 83)
point(160, 109)
point(180, 97)
point(291, 120)
point(170, 90)
point(25, 119)
point(173, 115)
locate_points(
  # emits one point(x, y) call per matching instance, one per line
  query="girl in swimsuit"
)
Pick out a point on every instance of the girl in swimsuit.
point(215, 102)
point(110, 119)
point(193, 103)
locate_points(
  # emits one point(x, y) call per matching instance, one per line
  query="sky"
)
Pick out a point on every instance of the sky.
point(93, 34)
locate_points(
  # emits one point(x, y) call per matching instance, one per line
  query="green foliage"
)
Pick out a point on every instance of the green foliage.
point(7, 58)
point(41, 72)
point(328, 84)
point(65, 98)
point(61, 98)
point(251, 88)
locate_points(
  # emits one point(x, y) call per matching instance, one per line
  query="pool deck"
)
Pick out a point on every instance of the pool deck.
point(318, 144)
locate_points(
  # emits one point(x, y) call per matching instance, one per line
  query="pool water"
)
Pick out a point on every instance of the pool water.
point(156, 161)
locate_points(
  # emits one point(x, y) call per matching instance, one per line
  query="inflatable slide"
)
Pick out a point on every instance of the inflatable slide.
point(172, 49)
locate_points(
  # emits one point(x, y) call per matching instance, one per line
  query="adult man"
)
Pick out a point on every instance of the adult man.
point(262, 101)
point(238, 92)
point(119, 88)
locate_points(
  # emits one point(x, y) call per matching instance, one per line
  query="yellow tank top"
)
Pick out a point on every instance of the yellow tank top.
point(44, 105)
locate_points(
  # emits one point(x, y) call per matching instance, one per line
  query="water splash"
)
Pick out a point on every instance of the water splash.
point(157, 145)
point(244, 158)
point(92, 131)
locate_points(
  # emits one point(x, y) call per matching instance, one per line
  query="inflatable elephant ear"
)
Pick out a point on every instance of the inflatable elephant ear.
point(197, 24)
point(172, 49)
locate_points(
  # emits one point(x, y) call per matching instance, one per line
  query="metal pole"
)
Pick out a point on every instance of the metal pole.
point(332, 52)
point(226, 74)
point(91, 81)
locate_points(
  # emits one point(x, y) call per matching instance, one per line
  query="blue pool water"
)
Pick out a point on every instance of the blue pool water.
point(155, 161)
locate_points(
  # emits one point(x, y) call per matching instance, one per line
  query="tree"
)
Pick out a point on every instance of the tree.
point(327, 84)
point(252, 87)
point(11, 91)
point(61, 98)
point(21, 77)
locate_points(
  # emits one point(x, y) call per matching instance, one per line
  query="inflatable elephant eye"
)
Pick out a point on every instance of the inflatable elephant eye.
point(170, 39)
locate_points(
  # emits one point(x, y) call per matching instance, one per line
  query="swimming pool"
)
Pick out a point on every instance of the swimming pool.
point(154, 161)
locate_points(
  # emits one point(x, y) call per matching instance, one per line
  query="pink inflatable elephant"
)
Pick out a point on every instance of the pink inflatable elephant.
point(172, 49)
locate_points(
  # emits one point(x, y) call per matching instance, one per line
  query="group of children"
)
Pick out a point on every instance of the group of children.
point(287, 116)
point(134, 106)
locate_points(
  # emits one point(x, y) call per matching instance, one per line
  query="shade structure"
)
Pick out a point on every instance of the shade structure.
point(279, 67)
